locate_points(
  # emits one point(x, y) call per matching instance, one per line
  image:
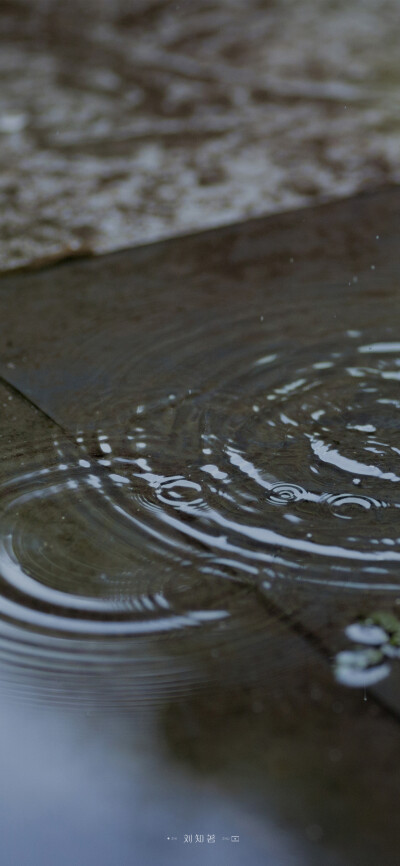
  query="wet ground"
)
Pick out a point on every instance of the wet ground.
point(199, 492)
point(127, 121)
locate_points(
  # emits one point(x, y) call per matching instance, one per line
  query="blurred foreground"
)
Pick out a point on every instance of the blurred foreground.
point(123, 122)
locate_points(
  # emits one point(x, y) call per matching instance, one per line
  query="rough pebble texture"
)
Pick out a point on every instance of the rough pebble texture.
point(123, 121)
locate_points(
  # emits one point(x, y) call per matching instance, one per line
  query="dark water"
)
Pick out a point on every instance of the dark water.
point(207, 495)
point(278, 464)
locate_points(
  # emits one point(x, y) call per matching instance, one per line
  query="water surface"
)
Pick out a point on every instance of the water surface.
point(200, 490)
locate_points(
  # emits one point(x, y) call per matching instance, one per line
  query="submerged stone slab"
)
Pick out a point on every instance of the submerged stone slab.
point(244, 365)
point(99, 339)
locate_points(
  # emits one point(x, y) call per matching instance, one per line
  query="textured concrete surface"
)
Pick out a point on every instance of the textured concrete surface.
point(123, 122)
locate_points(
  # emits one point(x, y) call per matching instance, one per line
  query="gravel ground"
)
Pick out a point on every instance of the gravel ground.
point(123, 122)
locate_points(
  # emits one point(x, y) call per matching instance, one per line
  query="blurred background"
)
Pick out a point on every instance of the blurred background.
point(124, 121)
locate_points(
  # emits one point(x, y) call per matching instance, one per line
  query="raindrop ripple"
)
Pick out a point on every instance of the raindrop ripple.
point(279, 462)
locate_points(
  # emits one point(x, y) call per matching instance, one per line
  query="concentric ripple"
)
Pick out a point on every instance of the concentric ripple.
point(67, 569)
point(281, 462)
point(285, 465)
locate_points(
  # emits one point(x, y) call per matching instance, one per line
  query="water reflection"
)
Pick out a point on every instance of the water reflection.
point(72, 791)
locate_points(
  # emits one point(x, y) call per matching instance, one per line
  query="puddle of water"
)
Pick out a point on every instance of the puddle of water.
point(205, 443)
point(214, 460)
point(163, 524)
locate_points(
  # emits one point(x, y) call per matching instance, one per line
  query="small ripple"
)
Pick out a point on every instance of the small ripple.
point(281, 493)
point(347, 505)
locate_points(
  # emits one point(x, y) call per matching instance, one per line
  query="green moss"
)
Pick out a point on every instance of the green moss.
point(389, 622)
